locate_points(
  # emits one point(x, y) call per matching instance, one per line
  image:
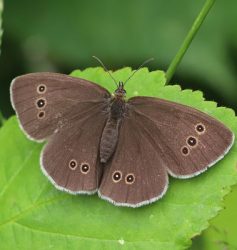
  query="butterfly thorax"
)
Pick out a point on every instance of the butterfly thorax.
point(111, 130)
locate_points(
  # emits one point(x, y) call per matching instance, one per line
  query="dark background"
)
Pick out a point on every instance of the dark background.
point(61, 36)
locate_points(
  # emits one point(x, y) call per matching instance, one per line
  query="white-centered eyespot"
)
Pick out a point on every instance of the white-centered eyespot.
point(192, 141)
point(117, 176)
point(41, 103)
point(130, 178)
point(41, 89)
point(72, 164)
point(200, 128)
point(85, 167)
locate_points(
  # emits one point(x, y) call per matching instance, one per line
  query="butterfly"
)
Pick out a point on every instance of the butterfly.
point(122, 149)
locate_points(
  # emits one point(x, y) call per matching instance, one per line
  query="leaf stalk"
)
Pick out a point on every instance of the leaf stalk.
point(188, 39)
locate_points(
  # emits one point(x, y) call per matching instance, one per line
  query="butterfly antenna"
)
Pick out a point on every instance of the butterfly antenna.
point(147, 61)
point(96, 58)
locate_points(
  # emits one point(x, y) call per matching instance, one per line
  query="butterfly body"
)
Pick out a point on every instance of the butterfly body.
point(111, 130)
point(122, 149)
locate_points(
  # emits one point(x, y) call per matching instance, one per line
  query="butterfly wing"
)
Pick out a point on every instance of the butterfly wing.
point(71, 112)
point(45, 102)
point(161, 137)
point(70, 159)
point(190, 141)
point(135, 175)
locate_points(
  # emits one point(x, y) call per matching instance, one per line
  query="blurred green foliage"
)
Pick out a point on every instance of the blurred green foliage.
point(1, 9)
point(61, 36)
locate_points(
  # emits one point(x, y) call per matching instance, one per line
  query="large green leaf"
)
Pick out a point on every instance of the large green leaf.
point(34, 215)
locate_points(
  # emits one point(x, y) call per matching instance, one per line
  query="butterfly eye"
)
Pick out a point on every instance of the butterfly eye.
point(41, 114)
point(130, 178)
point(40, 103)
point(85, 167)
point(41, 89)
point(200, 128)
point(73, 164)
point(117, 176)
point(192, 141)
point(185, 150)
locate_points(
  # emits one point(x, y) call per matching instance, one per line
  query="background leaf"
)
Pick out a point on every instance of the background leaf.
point(34, 215)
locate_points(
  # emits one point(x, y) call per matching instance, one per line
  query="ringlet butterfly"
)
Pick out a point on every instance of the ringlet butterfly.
point(122, 149)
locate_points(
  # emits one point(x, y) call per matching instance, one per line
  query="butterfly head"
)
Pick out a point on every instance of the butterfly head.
point(120, 92)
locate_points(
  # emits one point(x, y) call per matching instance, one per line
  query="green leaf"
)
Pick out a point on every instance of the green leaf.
point(221, 233)
point(33, 214)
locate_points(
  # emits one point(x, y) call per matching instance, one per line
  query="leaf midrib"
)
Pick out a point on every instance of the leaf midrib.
point(84, 237)
point(14, 220)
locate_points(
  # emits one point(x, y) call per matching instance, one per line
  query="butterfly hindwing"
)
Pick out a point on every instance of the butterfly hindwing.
point(136, 176)
point(70, 159)
point(45, 102)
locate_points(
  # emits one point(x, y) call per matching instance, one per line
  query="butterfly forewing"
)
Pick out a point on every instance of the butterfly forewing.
point(71, 113)
point(190, 140)
point(45, 102)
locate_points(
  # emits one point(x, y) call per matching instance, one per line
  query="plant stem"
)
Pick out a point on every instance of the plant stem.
point(188, 39)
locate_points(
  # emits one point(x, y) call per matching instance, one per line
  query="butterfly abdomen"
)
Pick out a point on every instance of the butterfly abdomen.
point(109, 139)
point(111, 130)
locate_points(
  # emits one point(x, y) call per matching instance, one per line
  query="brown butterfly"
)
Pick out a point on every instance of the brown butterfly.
point(122, 149)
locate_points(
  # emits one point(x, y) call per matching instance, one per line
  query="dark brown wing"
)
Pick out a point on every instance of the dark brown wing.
point(158, 137)
point(46, 102)
point(143, 177)
point(190, 140)
point(70, 159)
